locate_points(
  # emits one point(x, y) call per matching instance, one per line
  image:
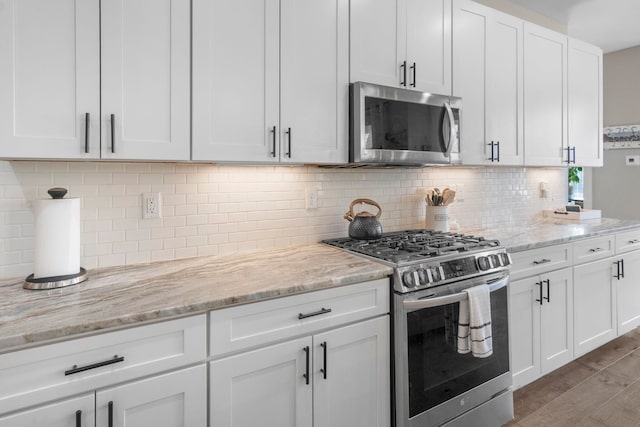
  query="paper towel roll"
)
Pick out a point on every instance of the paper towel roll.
point(57, 237)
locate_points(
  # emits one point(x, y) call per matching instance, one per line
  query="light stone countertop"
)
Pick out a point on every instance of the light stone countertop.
point(123, 296)
point(545, 231)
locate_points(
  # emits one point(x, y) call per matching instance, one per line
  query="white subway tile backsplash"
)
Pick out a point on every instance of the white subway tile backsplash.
point(218, 209)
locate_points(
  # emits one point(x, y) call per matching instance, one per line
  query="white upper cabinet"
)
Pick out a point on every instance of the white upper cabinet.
point(402, 43)
point(60, 59)
point(145, 79)
point(545, 96)
point(487, 74)
point(585, 103)
point(270, 81)
point(49, 79)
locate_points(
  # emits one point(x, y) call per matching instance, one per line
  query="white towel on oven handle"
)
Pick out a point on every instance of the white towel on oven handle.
point(474, 322)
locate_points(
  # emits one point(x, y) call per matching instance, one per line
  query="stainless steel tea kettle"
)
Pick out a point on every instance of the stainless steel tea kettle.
point(364, 225)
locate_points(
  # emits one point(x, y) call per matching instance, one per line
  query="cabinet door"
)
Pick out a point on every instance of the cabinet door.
point(175, 399)
point(264, 387)
point(585, 102)
point(628, 293)
point(314, 72)
point(351, 375)
point(594, 305)
point(145, 48)
point(470, 33)
point(78, 412)
point(378, 41)
point(524, 330)
point(556, 317)
point(236, 90)
point(545, 96)
point(49, 79)
point(504, 101)
point(429, 45)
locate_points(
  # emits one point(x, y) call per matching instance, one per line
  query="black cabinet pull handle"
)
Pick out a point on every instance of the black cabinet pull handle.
point(306, 374)
point(288, 132)
point(315, 313)
point(498, 151)
point(539, 300)
point(76, 369)
point(324, 352)
point(542, 261)
point(548, 297)
point(413, 67)
point(491, 144)
point(78, 418)
point(618, 275)
point(568, 155)
point(273, 151)
point(622, 263)
point(86, 132)
point(403, 66)
point(573, 149)
point(110, 423)
point(113, 133)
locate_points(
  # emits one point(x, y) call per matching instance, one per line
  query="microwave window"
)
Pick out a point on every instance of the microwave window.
point(397, 125)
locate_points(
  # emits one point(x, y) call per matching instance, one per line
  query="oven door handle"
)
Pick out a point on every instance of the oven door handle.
point(452, 128)
point(413, 305)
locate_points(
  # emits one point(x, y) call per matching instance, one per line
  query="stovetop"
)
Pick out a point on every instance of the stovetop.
point(426, 258)
point(414, 245)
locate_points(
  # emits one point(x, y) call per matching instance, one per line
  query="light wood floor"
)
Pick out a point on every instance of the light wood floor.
point(601, 388)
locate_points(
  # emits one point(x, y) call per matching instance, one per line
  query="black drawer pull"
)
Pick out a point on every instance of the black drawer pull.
point(76, 369)
point(315, 313)
point(634, 241)
point(596, 250)
point(542, 261)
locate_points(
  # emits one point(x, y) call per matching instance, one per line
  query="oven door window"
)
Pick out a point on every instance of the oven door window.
point(397, 125)
point(437, 372)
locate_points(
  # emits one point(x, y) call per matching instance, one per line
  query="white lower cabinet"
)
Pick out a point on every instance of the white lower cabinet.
point(594, 305)
point(176, 399)
point(153, 375)
point(78, 411)
point(335, 378)
point(628, 292)
point(541, 331)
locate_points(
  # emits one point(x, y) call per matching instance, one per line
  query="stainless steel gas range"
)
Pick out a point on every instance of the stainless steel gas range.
point(433, 384)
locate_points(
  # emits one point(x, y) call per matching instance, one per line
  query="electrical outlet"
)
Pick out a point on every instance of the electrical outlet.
point(632, 160)
point(151, 205)
point(311, 197)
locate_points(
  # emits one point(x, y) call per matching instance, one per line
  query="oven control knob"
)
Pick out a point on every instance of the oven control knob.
point(435, 274)
point(408, 278)
point(504, 257)
point(423, 278)
point(495, 260)
point(483, 263)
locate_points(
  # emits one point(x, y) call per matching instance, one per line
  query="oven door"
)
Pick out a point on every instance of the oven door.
point(433, 382)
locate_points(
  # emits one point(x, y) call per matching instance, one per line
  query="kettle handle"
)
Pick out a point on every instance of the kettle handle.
point(349, 215)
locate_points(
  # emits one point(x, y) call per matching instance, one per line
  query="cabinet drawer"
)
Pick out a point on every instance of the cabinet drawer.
point(536, 261)
point(627, 241)
point(593, 249)
point(253, 325)
point(49, 372)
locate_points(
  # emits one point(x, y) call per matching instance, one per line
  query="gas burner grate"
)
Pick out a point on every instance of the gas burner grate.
point(414, 245)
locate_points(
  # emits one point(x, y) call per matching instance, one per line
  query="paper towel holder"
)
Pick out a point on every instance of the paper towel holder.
point(56, 281)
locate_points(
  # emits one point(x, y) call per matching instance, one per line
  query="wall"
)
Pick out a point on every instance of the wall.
point(612, 187)
point(216, 209)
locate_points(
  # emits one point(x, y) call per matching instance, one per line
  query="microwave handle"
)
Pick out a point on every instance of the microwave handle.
point(414, 305)
point(452, 128)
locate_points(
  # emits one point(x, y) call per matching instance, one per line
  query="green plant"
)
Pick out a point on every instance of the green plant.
point(574, 175)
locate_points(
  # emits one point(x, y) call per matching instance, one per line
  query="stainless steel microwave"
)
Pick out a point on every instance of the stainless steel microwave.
point(399, 127)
